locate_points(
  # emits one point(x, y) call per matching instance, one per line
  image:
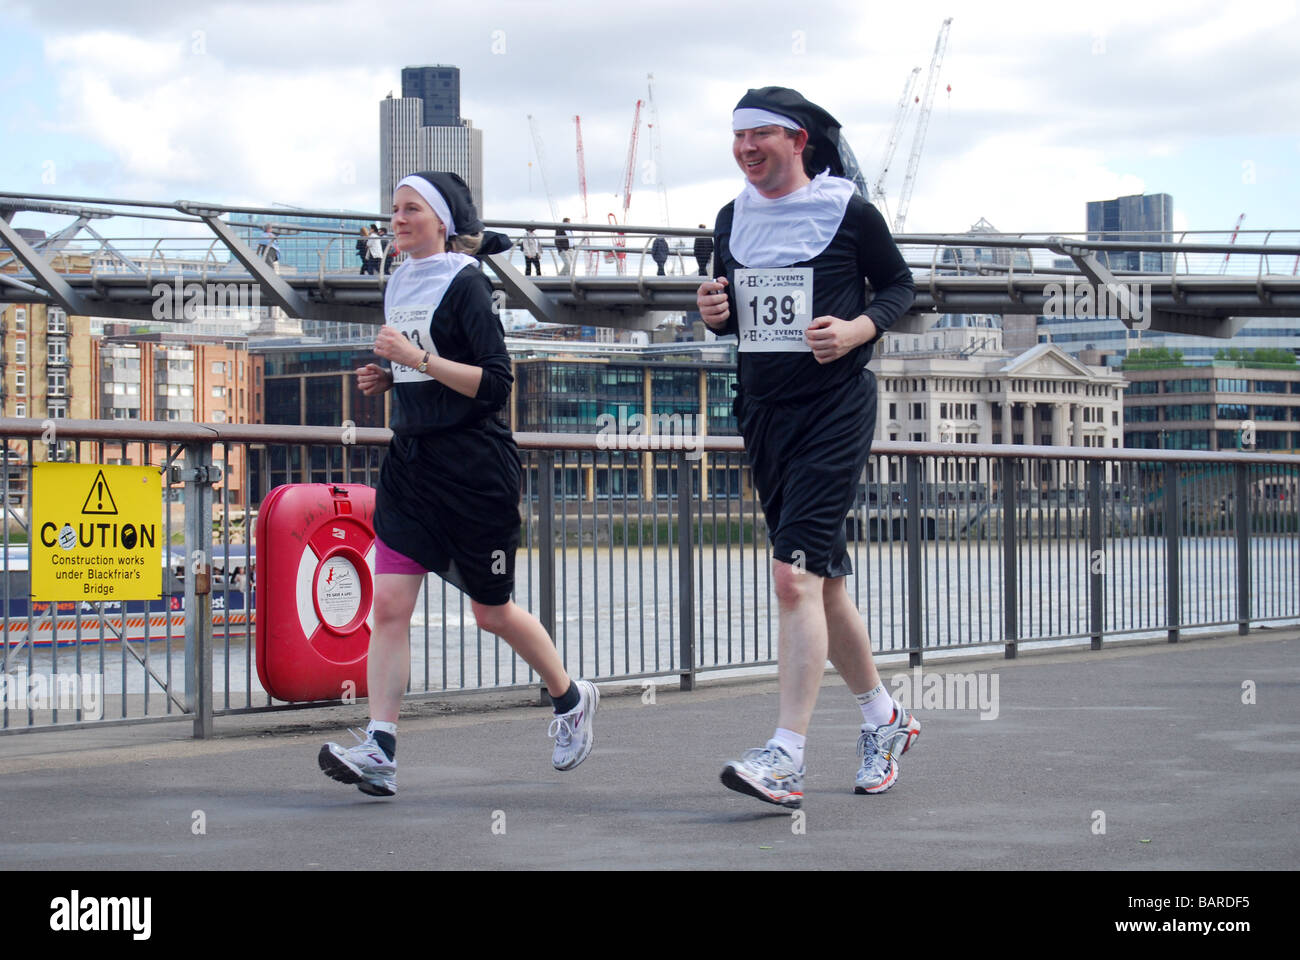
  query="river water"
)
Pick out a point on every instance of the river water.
point(619, 612)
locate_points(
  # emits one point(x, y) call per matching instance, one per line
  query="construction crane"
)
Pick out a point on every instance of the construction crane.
point(655, 139)
point(630, 169)
point(922, 124)
point(620, 240)
point(541, 167)
point(582, 187)
point(900, 117)
point(1223, 268)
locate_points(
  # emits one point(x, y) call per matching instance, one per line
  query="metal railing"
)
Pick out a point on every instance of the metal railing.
point(1205, 283)
point(647, 557)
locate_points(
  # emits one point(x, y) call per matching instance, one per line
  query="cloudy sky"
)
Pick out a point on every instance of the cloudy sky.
point(1050, 105)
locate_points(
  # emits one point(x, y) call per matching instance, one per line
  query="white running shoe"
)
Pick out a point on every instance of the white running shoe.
point(898, 735)
point(573, 730)
point(879, 769)
point(364, 764)
point(767, 773)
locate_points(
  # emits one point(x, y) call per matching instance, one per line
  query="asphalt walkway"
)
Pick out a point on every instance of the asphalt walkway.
point(1135, 757)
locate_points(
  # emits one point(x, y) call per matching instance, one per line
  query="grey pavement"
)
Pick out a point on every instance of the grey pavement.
point(1154, 737)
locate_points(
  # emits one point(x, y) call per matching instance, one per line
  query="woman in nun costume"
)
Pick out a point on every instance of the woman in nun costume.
point(792, 251)
point(448, 494)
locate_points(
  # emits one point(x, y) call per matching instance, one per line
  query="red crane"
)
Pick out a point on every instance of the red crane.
point(1235, 230)
point(592, 260)
point(620, 240)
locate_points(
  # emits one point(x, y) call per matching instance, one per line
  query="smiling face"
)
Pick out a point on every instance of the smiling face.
point(770, 159)
point(417, 229)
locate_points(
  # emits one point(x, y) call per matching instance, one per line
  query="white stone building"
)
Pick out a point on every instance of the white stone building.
point(956, 384)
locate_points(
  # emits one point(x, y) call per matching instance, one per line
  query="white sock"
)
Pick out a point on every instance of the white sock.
point(791, 742)
point(877, 706)
point(383, 726)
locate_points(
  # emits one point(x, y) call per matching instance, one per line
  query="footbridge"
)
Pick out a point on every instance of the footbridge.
point(120, 258)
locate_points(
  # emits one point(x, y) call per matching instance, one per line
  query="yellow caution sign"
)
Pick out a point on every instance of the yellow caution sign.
point(96, 532)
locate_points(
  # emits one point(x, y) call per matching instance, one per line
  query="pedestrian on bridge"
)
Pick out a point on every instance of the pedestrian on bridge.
point(363, 241)
point(448, 493)
point(562, 248)
point(532, 250)
point(791, 252)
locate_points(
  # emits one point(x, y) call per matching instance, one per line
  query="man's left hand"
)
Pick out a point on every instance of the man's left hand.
point(831, 337)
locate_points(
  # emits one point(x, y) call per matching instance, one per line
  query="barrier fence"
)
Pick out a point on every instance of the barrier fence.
point(653, 562)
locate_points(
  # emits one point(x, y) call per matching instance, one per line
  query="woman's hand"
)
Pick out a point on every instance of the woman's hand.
point(373, 379)
point(394, 347)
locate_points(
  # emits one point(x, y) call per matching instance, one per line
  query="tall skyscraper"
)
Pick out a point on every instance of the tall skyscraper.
point(439, 87)
point(423, 130)
point(1142, 218)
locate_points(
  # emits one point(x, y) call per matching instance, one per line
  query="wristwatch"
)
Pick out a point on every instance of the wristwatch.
point(424, 364)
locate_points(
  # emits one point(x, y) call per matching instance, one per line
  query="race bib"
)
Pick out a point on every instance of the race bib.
point(775, 308)
point(412, 323)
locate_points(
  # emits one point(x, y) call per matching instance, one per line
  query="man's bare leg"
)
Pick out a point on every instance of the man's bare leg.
point(775, 772)
point(848, 643)
point(849, 649)
point(801, 653)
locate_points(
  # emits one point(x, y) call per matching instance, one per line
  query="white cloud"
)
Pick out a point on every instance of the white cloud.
point(283, 103)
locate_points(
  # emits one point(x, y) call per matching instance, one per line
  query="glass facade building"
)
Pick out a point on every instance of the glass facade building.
point(438, 87)
point(1141, 218)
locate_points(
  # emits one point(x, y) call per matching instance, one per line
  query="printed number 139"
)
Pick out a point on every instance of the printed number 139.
point(785, 314)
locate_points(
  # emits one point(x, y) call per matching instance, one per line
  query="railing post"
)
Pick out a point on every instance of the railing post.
point(1243, 547)
point(1096, 556)
point(913, 481)
point(198, 475)
point(546, 549)
point(1010, 549)
point(1173, 560)
point(685, 573)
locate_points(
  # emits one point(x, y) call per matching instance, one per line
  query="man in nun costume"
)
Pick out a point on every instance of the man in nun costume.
point(448, 493)
point(792, 251)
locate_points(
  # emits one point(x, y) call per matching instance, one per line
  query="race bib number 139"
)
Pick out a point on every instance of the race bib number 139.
point(412, 323)
point(775, 308)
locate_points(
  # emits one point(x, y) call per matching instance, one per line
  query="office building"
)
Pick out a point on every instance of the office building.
point(308, 244)
point(1141, 218)
point(423, 130)
point(957, 384)
point(683, 389)
point(978, 258)
point(1221, 407)
point(437, 87)
point(45, 366)
point(179, 378)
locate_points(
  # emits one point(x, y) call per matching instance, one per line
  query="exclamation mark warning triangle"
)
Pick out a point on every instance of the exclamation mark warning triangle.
point(99, 500)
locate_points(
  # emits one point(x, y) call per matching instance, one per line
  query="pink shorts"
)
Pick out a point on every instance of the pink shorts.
point(388, 560)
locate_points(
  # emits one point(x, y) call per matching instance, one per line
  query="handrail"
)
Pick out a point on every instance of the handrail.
point(172, 431)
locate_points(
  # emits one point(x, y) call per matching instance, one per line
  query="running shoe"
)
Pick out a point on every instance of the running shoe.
point(364, 764)
point(879, 769)
point(900, 732)
point(880, 746)
point(767, 773)
point(573, 730)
